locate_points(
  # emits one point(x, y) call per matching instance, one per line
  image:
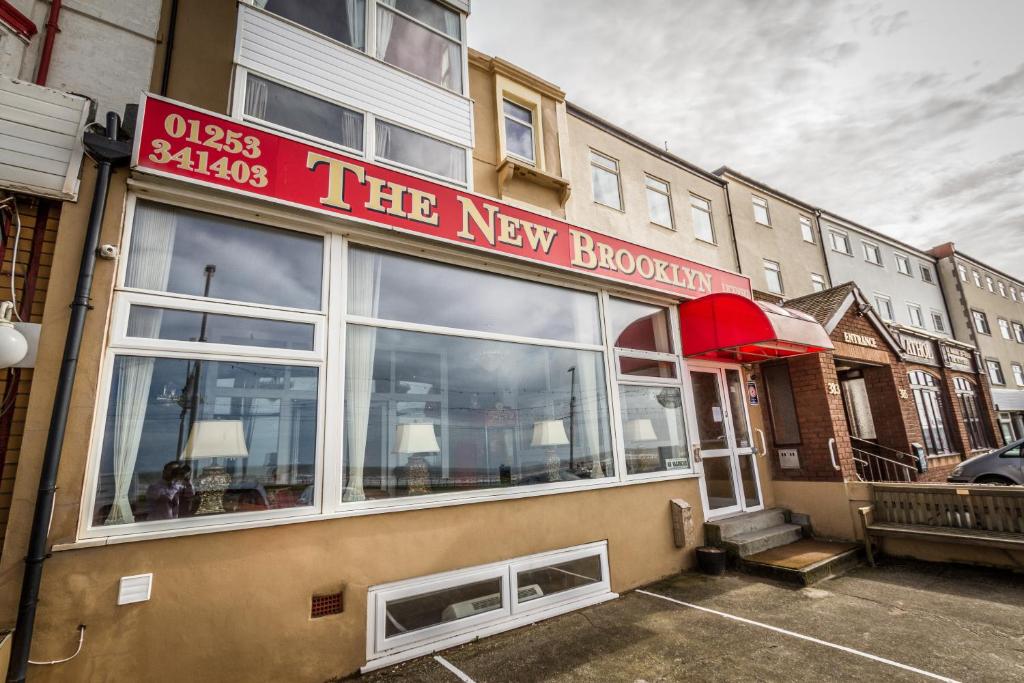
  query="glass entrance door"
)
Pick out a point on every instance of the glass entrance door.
point(723, 429)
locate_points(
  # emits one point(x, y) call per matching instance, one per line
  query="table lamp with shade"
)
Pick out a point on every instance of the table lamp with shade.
point(550, 434)
point(414, 440)
point(214, 439)
point(636, 433)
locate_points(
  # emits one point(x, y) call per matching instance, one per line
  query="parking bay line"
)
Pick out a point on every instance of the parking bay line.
point(454, 669)
point(801, 636)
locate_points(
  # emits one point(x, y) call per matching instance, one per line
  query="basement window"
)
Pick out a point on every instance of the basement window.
point(414, 617)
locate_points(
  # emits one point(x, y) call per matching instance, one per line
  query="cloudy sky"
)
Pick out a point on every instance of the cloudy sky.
point(906, 116)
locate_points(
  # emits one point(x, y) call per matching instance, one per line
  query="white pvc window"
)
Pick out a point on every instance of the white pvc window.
point(1018, 332)
point(1018, 374)
point(806, 230)
point(872, 254)
point(903, 265)
point(519, 138)
point(604, 176)
point(773, 276)
point(840, 242)
point(1004, 329)
point(1002, 290)
point(700, 210)
point(818, 282)
point(884, 306)
point(408, 618)
point(406, 147)
point(926, 274)
point(963, 272)
point(422, 37)
point(938, 321)
point(977, 278)
point(760, 206)
point(990, 284)
point(916, 317)
point(659, 202)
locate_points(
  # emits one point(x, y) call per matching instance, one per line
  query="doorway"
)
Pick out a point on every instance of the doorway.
point(731, 482)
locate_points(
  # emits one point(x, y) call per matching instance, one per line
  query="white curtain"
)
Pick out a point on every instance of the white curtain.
point(589, 403)
point(385, 23)
point(256, 92)
point(383, 135)
point(363, 299)
point(451, 61)
point(149, 266)
point(351, 129)
point(355, 10)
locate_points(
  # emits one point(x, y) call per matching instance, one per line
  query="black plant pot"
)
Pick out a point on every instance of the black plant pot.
point(711, 560)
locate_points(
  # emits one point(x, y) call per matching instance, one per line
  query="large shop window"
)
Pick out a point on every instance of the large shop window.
point(433, 412)
point(931, 411)
point(967, 395)
point(214, 429)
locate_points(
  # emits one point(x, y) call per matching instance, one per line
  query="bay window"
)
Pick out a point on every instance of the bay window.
point(290, 109)
point(342, 20)
point(421, 152)
point(422, 37)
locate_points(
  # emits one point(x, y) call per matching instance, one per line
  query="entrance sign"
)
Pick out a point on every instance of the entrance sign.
point(860, 340)
point(201, 147)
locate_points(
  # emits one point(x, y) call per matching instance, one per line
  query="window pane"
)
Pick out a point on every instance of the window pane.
point(431, 13)
point(634, 325)
point(805, 229)
point(737, 406)
point(702, 228)
point(557, 578)
point(428, 413)
point(707, 400)
point(517, 111)
point(150, 322)
point(653, 430)
point(343, 20)
point(519, 138)
point(298, 111)
point(437, 607)
point(646, 367)
point(660, 208)
point(403, 146)
point(418, 50)
point(760, 210)
point(719, 483)
point(394, 287)
point(606, 187)
point(186, 252)
point(188, 438)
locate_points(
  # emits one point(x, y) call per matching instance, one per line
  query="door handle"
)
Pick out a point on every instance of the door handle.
point(832, 453)
point(764, 444)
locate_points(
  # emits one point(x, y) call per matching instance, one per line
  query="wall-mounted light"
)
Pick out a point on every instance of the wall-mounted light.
point(13, 345)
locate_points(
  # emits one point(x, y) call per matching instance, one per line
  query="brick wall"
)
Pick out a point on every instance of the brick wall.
point(39, 220)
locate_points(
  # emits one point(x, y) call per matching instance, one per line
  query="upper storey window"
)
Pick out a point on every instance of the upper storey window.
point(342, 20)
point(423, 38)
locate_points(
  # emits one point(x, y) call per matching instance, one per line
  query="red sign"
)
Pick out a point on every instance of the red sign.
point(183, 142)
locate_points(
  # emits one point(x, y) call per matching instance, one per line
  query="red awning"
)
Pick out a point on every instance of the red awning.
point(729, 327)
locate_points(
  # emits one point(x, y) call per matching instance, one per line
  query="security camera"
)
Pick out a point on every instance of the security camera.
point(108, 251)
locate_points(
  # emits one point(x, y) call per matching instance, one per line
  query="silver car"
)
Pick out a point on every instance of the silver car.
point(1002, 466)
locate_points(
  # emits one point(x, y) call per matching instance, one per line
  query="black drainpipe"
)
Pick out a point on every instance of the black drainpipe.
point(165, 75)
point(107, 150)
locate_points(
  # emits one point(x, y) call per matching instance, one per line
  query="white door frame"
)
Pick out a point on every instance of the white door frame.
point(733, 452)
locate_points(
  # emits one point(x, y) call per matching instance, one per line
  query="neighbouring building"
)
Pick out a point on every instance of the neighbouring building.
point(778, 238)
point(987, 309)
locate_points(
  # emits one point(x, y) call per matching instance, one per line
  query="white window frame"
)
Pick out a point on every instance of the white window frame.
point(1005, 331)
point(962, 270)
point(1018, 373)
point(372, 7)
point(1018, 331)
point(872, 248)
point(331, 335)
point(989, 367)
point(778, 271)
point(1013, 292)
point(977, 278)
point(845, 236)
point(505, 118)
point(905, 260)
point(382, 651)
point(757, 200)
point(919, 323)
point(879, 298)
point(1002, 288)
point(805, 222)
point(990, 284)
point(666, 193)
point(938, 317)
point(615, 169)
point(369, 151)
point(710, 214)
point(818, 279)
point(975, 313)
point(927, 274)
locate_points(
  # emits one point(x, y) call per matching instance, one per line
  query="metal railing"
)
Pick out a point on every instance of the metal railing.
point(871, 465)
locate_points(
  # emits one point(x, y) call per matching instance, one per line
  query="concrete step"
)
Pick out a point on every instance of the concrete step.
point(723, 529)
point(758, 540)
point(805, 562)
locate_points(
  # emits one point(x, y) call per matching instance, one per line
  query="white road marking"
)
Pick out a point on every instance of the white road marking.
point(454, 669)
point(811, 639)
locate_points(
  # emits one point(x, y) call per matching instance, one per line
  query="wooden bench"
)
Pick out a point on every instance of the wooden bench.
point(970, 514)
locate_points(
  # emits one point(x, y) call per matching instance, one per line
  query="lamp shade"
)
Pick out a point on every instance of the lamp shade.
point(416, 438)
point(215, 439)
point(639, 430)
point(549, 433)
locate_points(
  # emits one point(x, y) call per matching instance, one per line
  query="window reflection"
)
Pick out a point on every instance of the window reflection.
point(653, 430)
point(214, 328)
point(418, 291)
point(634, 325)
point(187, 252)
point(430, 413)
point(187, 438)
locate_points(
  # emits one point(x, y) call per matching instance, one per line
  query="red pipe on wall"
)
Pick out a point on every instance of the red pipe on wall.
point(52, 29)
